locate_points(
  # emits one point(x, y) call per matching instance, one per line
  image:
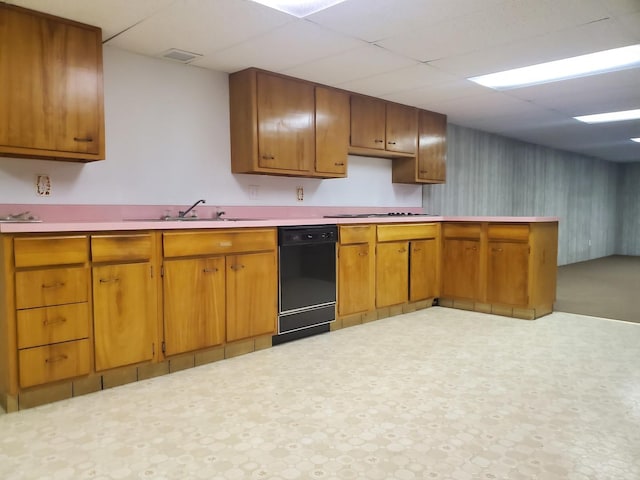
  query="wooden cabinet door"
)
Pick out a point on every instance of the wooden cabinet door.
point(286, 131)
point(51, 76)
point(392, 273)
point(461, 268)
point(355, 279)
point(123, 314)
point(423, 269)
point(401, 128)
point(367, 122)
point(432, 147)
point(252, 295)
point(332, 131)
point(194, 304)
point(508, 273)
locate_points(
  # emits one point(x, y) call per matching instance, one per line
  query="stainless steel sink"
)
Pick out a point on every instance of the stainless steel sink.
point(194, 219)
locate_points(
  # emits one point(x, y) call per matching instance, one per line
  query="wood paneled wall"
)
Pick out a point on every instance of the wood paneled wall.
point(628, 240)
point(491, 175)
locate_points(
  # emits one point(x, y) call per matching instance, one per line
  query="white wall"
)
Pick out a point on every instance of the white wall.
point(167, 134)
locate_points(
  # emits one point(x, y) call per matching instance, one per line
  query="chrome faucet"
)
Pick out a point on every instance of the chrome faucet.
point(182, 214)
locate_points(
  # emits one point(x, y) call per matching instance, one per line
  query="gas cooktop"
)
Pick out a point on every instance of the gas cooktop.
point(373, 215)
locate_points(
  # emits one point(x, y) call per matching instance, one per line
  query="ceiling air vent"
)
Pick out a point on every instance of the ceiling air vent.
point(181, 56)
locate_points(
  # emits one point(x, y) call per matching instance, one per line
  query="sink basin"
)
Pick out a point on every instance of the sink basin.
point(194, 219)
point(18, 220)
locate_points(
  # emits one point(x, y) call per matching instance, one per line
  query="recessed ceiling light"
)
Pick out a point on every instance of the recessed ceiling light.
point(299, 8)
point(636, 139)
point(573, 67)
point(610, 116)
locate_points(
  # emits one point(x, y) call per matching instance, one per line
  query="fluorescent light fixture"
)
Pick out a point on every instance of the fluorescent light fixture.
point(636, 139)
point(299, 8)
point(574, 67)
point(610, 116)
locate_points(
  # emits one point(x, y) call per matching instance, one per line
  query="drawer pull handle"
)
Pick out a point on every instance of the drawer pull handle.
point(225, 244)
point(496, 249)
point(391, 143)
point(339, 164)
point(209, 270)
point(109, 280)
point(268, 157)
point(402, 250)
point(83, 139)
point(424, 171)
point(417, 249)
point(237, 267)
point(57, 358)
point(363, 254)
point(46, 323)
point(53, 285)
point(378, 141)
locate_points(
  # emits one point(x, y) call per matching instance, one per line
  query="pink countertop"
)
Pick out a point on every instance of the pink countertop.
point(91, 226)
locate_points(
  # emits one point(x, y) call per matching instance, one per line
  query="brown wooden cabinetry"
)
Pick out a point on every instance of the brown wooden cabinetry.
point(124, 299)
point(382, 129)
point(356, 269)
point(407, 263)
point(208, 278)
point(51, 77)
point(507, 269)
point(274, 126)
point(52, 308)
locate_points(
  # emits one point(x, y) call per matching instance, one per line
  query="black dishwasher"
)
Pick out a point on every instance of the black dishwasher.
point(307, 280)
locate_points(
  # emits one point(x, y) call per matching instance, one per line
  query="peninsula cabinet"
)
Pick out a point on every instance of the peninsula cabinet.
point(285, 126)
point(208, 277)
point(407, 263)
point(510, 269)
point(356, 269)
point(51, 78)
point(124, 299)
point(382, 129)
point(430, 164)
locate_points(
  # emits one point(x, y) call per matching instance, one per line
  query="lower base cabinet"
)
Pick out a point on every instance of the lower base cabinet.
point(356, 269)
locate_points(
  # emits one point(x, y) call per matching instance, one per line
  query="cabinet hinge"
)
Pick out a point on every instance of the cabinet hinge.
point(164, 347)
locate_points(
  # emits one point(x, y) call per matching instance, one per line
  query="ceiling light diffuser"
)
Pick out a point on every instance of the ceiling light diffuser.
point(299, 8)
point(636, 139)
point(573, 67)
point(610, 116)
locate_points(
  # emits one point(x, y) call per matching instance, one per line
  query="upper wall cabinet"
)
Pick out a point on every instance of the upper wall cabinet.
point(382, 129)
point(51, 78)
point(285, 126)
point(430, 165)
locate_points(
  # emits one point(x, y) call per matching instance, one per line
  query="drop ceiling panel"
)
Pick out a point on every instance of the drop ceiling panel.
point(293, 44)
point(439, 93)
point(112, 16)
point(353, 64)
point(601, 35)
point(373, 20)
point(200, 27)
point(402, 80)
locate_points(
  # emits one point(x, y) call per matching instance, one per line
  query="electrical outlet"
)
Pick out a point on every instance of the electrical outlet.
point(43, 185)
point(300, 194)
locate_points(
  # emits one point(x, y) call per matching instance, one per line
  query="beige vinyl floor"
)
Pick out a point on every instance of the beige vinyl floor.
point(434, 394)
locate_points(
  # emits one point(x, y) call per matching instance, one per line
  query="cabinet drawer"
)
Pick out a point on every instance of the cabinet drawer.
point(55, 286)
point(391, 233)
point(508, 232)
point(356, 234)
point(42, 251)
point(111, 248)
point(182, 244)
point(41, 326)
point(53, 362)
point(461, 230)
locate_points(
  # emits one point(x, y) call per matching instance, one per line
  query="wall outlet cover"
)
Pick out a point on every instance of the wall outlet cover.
point(43, 185)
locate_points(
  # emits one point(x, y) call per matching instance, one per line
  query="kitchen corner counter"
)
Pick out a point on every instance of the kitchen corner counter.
point(130, 225)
